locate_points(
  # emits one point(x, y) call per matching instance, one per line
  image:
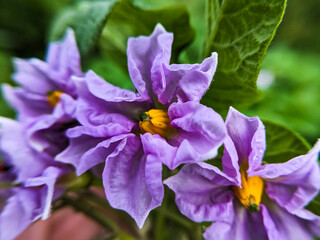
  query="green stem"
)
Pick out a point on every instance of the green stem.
point(176, 218)
point(196, 232)
point(159, 224)
point(4, 185)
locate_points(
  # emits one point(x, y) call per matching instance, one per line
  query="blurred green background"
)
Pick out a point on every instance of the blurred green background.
point(290, 80)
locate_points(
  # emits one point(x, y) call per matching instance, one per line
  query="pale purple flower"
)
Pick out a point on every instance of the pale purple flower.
point(34, 174)
point(46, 96)
point(133, 133)
point(231, 199)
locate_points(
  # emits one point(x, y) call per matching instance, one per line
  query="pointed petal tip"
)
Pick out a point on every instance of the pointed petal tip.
point(159, 28)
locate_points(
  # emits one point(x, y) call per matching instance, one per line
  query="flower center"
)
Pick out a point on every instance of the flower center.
point(251, 191)
point(155, 121)
point(4, 167)
point(54, 97)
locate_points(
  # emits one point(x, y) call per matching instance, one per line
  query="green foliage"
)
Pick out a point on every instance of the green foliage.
point(128, 20)
point(293, 99)
point(314, 205)
point(109, 70)
point(282, 143)
point(240, 31)
point(87, 18)
point(5, 63)
point(112, 23)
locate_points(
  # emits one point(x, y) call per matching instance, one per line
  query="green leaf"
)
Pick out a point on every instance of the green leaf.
point(240, 31)
point(128, 20)
point(6, 69)
point(109, 70)
point(87, 18)
point(282, 143)
point(314, 205)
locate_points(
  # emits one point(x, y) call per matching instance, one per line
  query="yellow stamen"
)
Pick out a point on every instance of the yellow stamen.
point(251, 191)
point(155, 121)
point(54, 97)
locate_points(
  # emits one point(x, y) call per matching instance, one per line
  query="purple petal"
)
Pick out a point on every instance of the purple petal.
point(218, 231)
point(27, 104)
point(47, 182)
point(47, 131)
point(245, 225)
point(200, 131)
point(28, 76)
point(86, 152)
point(311, 221)
point(15, 217)
point(158, 146)
point(294, 183)
point(203, 193)
point(64, 57)
point(98, 99)
point(280, 224)
point(77, 147)
point(248, 136)
point(30, 203)
point(133, 181)
point(269, 224)
point(230, 160)
point(106, 91)
point(183, 82)
point(145, 56)
point(14, 146)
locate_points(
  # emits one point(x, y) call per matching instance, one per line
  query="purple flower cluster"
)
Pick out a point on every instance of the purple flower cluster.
point(249, 200)
point(45, 104)
point(67, 118)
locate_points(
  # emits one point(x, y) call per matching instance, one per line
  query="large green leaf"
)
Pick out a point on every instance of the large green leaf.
point(128, 20)
point(282, 143)
point(87, 18)
point(240, 31)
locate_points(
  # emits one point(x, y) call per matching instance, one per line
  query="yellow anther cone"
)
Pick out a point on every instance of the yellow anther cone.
point(155, 121)
point(251, 191)
point(54, 98)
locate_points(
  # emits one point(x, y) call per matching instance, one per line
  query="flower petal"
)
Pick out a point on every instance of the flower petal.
point(85, 152)
point(145, 56)
point(295, 183)
point(64, 57)
point(27, 104)
point(28, 75)
point(108, 92)
point(16, 216)
point(77, 147)
point(200, 131)
point(14, 147)
point(248, 136)
point(203, 193)
point(133, 181)
point(245, 225)
point(46, 132)
point(230, 160)
point(280, 224)
point(47, 183)
point(183, 82)
point(98, 99)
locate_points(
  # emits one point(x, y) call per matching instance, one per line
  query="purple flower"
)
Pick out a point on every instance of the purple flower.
point(133, 133)
point(46, 97)
point(34, 175)
point(250, 200)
